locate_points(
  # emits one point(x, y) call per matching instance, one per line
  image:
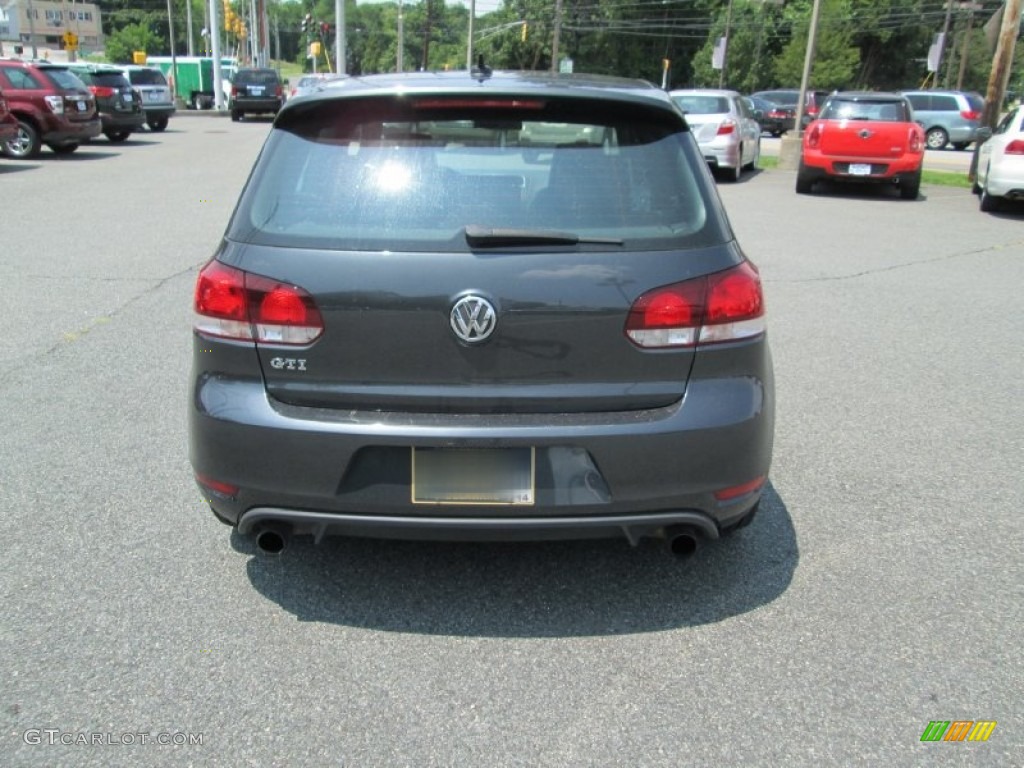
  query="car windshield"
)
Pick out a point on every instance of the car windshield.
point(377, 174)
point(702, 105)
point(147, 77)
point(781, 98)
point(849, 109)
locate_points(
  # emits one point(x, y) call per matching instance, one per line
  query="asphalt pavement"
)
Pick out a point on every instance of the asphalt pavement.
point(880, 588)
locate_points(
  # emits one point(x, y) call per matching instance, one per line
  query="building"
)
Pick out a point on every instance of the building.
point(43, 23)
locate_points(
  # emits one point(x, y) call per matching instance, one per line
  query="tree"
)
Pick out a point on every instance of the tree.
point(132, 37)
point(836, 60)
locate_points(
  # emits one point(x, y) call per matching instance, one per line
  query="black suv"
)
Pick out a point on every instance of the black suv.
point(119, 104)
point(255, 91)
point(781, 116)
point(52, 106)
point(497, 305)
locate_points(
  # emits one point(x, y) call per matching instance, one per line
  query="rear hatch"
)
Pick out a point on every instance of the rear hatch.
point(863, 129)
point(455, 267)
point(79, 104)
point(114, 93)
point(151, 85)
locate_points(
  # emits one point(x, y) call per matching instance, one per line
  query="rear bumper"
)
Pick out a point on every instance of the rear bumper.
point(819, 166)
point(123, 121)
point(158, 111)
point(256, 105)
point(634, 473)
point(67, 132)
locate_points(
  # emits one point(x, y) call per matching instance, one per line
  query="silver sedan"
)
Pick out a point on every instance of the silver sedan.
point(723, 123)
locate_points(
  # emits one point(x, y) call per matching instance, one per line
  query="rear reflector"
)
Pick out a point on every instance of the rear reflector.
point(725, 306)
point(735, 491)
point(233, 304)
point(227, 490)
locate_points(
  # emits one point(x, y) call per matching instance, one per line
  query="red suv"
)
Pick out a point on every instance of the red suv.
point(52, 107)
point(8, 122)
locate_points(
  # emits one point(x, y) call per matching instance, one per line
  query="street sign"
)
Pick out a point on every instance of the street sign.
point(70, 41)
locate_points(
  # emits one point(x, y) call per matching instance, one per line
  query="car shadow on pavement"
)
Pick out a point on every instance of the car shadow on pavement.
point(8, 165)
point(548, 589)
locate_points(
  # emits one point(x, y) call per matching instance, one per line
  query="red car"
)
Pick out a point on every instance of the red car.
point(863, 138)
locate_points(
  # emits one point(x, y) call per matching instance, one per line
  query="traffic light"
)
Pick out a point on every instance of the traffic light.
point(307, 23)
point(325, 28)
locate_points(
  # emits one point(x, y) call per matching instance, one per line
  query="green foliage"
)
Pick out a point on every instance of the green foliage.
point(132, 37)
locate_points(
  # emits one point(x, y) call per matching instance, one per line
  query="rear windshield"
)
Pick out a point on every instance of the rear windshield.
point(110, 79)
point(781, 97)
point(382, 174)
point(65, 79)
point(256, 78)
point(882, 111)
point(147, 77)
point(702, 105)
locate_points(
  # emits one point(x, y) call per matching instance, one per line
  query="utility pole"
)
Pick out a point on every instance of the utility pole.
point(469, 37)
point(401, 39)
point(557, 34)
point(1001, 62)
point(218, 79)
point(812, 38)
point(188, 24)
point(339, 37)
point(725, 53)
point(945, 34)
point(32, 30)
point(174, 56)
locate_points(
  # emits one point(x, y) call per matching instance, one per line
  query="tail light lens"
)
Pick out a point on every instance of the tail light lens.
point(726, 306)
point(101, 91)
point(1015, 147)
point(916, 141)
point(279, 91)
point(814, 136)
point(55, 103)
point(727, 127)
point(234, 90)
point(970, 114)
point(233, 304)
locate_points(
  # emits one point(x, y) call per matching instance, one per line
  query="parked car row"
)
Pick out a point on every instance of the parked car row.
point(62, 106)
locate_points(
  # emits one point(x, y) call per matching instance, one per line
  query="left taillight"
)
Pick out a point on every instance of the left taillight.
point(814, 135)
point(725, 306)
point(726, 127)
point(230, 303)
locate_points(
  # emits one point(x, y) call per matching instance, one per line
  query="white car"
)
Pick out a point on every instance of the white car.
point(1001, 163)
point(725, 128)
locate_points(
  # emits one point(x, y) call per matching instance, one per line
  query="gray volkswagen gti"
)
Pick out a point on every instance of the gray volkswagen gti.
point(481, 306)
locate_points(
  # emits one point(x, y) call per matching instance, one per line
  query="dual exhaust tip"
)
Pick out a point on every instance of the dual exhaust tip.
point(272, 539)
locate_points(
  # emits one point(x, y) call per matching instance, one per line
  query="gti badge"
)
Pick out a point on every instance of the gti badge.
point(288, 363)
point(473, 319)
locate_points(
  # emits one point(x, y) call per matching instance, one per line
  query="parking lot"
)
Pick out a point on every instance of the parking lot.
point(879, 589)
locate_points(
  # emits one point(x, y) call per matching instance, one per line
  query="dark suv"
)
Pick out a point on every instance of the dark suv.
point(433, 315)
point(52, 106)
point(255, 91)
point(781, 116)
point(119, 104)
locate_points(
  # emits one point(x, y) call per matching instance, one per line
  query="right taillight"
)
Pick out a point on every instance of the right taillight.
point(55, 103)
point(726, 306)
point(233, 304)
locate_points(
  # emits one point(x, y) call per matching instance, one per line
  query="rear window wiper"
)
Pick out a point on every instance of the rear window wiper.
point(483, 237)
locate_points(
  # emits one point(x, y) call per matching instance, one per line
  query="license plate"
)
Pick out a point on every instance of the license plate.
point(488, 476)
point(860, 169)
point(81, 106)
point(256, 90)
point(154, 96)
point(126, 96)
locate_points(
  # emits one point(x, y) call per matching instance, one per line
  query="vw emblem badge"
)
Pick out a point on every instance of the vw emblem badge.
point(473, 319)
